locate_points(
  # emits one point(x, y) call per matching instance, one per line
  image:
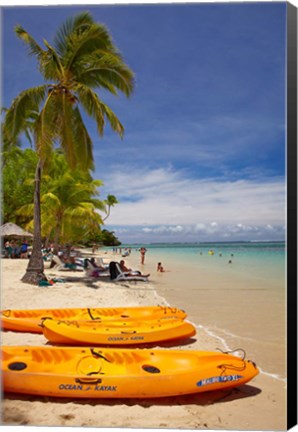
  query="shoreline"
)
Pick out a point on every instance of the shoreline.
point(239, 311)
point(259, 405)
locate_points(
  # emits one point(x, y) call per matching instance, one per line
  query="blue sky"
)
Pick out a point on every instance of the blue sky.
point(203, 157)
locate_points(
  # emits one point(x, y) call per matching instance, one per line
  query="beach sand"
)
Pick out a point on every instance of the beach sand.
point(259, 405)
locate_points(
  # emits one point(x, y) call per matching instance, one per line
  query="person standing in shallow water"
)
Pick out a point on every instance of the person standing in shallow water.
point(143, 252)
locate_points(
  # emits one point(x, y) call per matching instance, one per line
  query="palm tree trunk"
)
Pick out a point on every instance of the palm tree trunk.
point(108, 213)
point(35, 270)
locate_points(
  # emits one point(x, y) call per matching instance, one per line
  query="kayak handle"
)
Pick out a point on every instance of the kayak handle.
point(6, 313)
point(88, 380)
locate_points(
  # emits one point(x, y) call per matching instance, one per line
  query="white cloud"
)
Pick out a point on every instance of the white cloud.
point(203, 232)
point(164, 197)
point(165, 229)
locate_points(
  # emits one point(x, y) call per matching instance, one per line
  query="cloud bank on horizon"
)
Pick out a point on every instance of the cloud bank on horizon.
point(203, 157)
point(166, 205)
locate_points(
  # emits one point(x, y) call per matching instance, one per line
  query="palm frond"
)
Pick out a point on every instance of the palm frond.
point(34, 48)
point(97, 183)
point(46, 127)
point(98, 204)
point(83, 146)
point(66, 132)
point(83, 210)
point(106, 69)
point(85, 41)
point(51, 65)
point(9, 150)
point(8, 142)
point(91, 104)
point(72, 24)
point(50, 198)
point(26, 210)
point(115, 123)
point(27, 102)
point(99, 111)
point(81, 189)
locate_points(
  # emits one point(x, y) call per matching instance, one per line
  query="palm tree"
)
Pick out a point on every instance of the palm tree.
point(68, 203)
point(110, 202)
point(82, 58)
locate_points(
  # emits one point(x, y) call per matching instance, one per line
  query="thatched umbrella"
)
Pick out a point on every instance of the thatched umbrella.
point(11, 229)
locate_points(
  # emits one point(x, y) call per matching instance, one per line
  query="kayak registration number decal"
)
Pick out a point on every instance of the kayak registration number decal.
point(218, 379)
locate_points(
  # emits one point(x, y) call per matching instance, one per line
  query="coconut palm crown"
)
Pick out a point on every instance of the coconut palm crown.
point(82, 59)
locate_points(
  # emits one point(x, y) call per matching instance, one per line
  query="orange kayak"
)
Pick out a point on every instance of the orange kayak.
point(115, 332)
point(26, 320)
point(119, 373)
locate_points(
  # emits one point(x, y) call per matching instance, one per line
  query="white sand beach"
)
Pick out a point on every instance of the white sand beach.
point(259, 405)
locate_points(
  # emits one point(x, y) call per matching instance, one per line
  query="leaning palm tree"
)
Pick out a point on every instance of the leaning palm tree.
point(110, 201)
point(83, 58)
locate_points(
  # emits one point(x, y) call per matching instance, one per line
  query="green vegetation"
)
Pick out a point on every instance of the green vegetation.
point(81, 59)
point(69, 204)
point(18, 167)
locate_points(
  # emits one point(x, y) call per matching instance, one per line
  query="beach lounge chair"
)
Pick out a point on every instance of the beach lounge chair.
point(60, 265)
point(116, 274)
point(92, 271)
point(101, 263)
point(79, 262)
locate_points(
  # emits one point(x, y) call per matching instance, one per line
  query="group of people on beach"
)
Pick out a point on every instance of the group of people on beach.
point(99, 269)
point(15, 249)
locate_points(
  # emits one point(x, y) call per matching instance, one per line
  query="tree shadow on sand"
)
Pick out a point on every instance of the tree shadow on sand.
point(94, 282)
point(89, 282)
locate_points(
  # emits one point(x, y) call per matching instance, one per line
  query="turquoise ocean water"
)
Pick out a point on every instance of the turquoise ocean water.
point(263, 260)
point(264, 254)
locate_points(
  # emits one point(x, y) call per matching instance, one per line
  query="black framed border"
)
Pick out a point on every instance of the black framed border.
point(291, 215)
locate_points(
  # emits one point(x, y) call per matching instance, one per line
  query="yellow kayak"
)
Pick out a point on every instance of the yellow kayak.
point(28, 320)
point(119, 373)
point(115, 332)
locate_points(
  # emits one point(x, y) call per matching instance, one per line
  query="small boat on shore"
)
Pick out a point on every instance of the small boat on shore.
point(28, 320)
point(75, 372)
point(132, 332)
